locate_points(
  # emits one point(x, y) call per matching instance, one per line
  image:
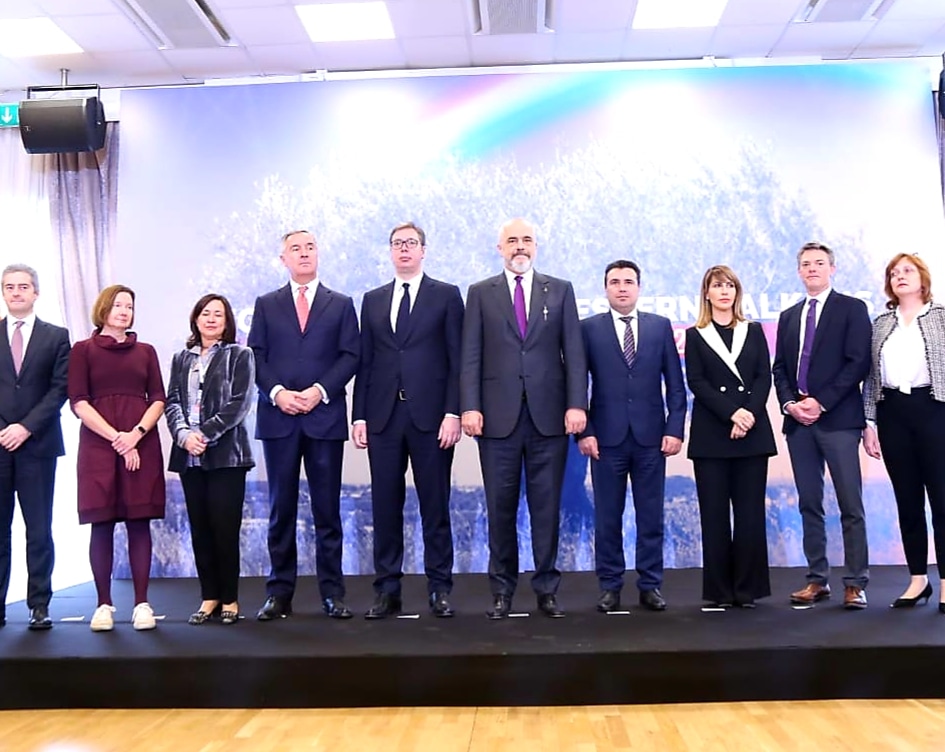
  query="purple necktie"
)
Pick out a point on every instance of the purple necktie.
point(16, 346)
point(519, 305)
point(809, 330)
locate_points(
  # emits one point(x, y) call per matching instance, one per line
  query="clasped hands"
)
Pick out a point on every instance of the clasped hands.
point(125, 443)
point(292, 402)
point(806, 411)
point(13, 436)
point(742, 422)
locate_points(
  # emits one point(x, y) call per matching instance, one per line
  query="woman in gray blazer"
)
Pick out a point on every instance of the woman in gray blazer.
point(210, 392)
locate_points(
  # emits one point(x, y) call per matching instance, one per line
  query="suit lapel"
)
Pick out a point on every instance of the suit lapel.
point(319, 304)
point(711, 337)
point(500, 293)
point(792, 338)
point(35, 345)
point(538, 304)
point(609, 333)
point(422, 293)
point(826, 317)
point(382, 309)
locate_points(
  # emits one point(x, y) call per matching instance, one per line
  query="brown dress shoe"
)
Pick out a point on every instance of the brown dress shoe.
point(854, 598)
point(812, 593)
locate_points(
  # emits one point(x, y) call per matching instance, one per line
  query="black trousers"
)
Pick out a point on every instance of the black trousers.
point(734, 541)
point(214, 501)
point(910, 436)
point(388, 452)
point(502, 460)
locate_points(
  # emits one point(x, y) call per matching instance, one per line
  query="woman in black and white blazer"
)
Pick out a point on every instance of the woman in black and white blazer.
point(210, 392)
point(904, 401)
point(728, 368)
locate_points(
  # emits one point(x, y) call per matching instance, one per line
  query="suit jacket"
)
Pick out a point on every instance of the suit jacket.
point(35, 396)
point(840, 360)
point(500, 369)
point(326, 353)
point(226, 399)
point(423, 361)
point(721, 382)
point(623, 397)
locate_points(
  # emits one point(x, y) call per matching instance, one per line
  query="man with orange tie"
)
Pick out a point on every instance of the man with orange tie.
point(305, 339)
point(34, 363)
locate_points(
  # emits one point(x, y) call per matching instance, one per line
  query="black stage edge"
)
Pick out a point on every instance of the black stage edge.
point(682, 655)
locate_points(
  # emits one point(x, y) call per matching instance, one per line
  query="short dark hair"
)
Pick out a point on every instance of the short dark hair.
point(229, 325)
point(104, 302)
point(408, 226)
point(621, 264)
point(815, 246)
point(14, 268)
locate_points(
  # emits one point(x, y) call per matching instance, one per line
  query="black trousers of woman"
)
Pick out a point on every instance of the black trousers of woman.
point(214, 501)
point(910, 436)
point(734, 537)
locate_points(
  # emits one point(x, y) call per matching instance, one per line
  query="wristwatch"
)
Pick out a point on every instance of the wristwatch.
point(141, 430)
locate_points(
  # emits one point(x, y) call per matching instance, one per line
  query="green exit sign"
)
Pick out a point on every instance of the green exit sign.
point(9, 115)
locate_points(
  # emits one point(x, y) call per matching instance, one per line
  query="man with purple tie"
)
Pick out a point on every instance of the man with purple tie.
point(523, 390)
point(822, 354)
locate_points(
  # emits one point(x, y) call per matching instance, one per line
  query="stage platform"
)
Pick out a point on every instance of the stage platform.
point(773, 652)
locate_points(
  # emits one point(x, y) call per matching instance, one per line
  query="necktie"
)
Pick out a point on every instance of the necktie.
point(301, 307)
point(629, 344)
point(518, 302)
point(16, 346)
point(810, 328)
point(403, 313)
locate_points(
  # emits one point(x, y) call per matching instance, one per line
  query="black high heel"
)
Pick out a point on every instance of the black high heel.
point(911, 602)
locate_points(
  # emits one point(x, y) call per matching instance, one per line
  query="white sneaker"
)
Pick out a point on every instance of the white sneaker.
point(143, 617)
point(102, 619)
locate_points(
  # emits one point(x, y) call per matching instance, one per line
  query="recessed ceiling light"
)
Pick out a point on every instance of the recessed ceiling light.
point(677, 14)
point(30, 37)
point(346, 22)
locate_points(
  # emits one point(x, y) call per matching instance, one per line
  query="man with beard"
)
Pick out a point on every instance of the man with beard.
point(523, 390)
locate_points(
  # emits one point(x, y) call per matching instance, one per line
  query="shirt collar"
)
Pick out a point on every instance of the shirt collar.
point(617, 315)
point(922, 311)
point(312, 287)
point(526, 276)
point(820, 297)
point(28, 321)
point(413, 281)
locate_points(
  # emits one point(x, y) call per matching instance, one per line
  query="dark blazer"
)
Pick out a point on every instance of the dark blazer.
point(621, 396)
point(840, 360)
point(424, 362)
point(227, 397)
point(327, 352)
point(499, 369)
point(35, 396)
point(721, 382)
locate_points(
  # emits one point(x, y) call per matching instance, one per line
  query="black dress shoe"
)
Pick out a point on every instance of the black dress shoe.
point(274, 608)
point(440, 605)
point(336, 608)
point(652, 600)
point(384, 605)
point(548, 605)
point(39, 618)
point(501, 607)
point(609, 601)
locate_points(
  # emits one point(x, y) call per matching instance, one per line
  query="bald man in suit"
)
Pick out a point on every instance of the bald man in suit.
point(523, 391)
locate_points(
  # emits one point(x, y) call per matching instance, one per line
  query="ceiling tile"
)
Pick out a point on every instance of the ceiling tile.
point(910, 10)
point(832, 41)
point(591, 15)
point(429, 18)
point(376, 54)
point(226, 4)
point(20, 9)
point(589, 47)
point(899, 33)
point(437, 52)
point(667, 44)
point(286, 59)
point(253, 26)
point(755, 13)
point(744, 41)
point(106, 33)
point(220, 62)
point(512, 49)
point(74, 8)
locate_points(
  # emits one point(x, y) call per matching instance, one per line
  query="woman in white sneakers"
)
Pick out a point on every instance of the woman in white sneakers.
point(116, 390)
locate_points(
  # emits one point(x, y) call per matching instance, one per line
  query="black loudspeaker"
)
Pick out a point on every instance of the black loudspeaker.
point(56, 126)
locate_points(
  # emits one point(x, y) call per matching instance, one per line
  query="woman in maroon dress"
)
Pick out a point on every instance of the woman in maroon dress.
point(115, 389)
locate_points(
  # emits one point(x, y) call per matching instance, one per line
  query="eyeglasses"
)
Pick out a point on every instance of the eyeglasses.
point(410, 243)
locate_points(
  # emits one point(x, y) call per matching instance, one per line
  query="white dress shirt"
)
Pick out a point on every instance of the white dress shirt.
point(903, 361)
point(26, 330)
point(527, 278)
point(398, 295)
point(621, 328)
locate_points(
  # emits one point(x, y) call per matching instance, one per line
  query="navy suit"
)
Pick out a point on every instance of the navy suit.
point(629, 418)
point(326, 353)
point(33, 399)
point(523, 389)
point(407, 382)
point(840, 360)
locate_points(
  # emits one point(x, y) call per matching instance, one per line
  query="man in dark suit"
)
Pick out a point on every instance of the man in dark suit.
point(406, 404)
point(631, 431)
point(34, 365)
point(523, 390)
point(305, 339)
point(822, 354)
